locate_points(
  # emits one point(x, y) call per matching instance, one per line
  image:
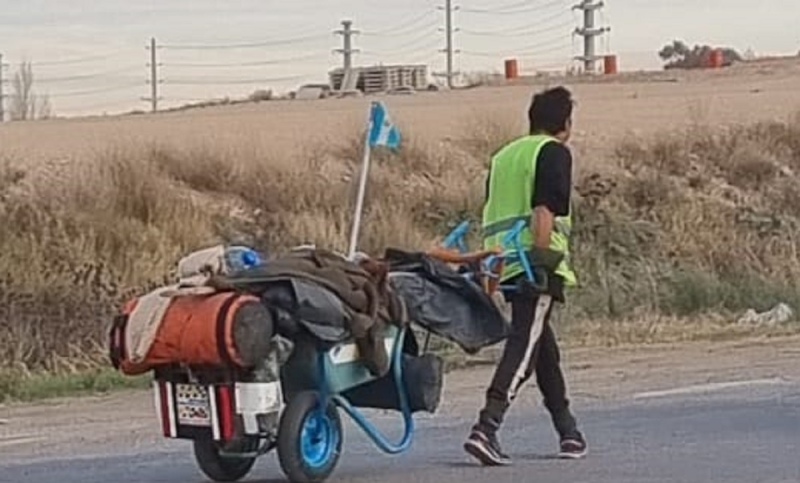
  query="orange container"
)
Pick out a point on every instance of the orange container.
point(512, 69)
point(716, 59)
point(195, 330)
point(610, 64)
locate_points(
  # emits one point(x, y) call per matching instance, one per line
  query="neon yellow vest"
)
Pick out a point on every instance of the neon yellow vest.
point(511, 189)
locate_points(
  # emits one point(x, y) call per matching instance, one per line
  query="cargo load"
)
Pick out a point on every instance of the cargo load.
point(222, 329)
point(323, 294)
point(225, 311)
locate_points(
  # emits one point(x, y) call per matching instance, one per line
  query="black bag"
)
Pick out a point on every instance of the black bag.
point(423, 380)
point(445, 302)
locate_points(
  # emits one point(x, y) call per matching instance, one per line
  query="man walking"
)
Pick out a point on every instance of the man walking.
point(531, 179)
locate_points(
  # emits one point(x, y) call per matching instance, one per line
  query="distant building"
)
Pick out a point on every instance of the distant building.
point(380, 78)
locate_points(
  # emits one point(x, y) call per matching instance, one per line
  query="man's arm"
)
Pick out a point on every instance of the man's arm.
point(552, 191)
point(487, 185)
point(542, 226)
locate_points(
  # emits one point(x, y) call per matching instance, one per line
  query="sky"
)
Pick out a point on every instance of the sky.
point(90, 55)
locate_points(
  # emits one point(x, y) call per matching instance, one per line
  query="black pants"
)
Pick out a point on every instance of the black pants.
point(531, 347)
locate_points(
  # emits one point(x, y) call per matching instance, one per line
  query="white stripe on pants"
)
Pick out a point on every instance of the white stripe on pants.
point(539, 314)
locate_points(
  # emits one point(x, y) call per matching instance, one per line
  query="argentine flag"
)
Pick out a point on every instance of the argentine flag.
point(383, 132)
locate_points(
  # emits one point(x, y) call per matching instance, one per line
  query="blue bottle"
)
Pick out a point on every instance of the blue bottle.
point(241, 258)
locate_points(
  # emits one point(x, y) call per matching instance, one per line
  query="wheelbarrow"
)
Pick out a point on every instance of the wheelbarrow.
point(234, 417)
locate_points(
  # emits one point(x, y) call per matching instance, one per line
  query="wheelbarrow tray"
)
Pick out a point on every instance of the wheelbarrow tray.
point(343, 368)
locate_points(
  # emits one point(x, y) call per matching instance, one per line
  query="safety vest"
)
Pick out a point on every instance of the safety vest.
point(511, 189)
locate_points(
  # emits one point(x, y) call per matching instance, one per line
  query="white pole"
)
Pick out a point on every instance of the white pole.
point(362, 188)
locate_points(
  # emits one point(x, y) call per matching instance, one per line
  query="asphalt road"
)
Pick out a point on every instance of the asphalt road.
point(748, 433)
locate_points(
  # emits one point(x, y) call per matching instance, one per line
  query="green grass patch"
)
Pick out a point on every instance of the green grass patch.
point(17, 387)
point(691, 292)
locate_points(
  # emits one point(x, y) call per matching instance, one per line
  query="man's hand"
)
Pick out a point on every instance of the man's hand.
point(542, 223)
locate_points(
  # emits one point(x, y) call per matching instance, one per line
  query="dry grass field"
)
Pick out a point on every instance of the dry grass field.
point(688, 208)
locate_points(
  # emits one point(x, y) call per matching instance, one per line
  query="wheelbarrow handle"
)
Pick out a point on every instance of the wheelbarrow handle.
point(513, 241)
point(511, 247)
point(457, 237)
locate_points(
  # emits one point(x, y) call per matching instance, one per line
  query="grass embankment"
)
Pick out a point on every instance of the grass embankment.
point(694, 227)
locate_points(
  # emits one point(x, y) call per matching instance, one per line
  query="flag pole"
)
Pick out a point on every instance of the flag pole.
point(362, 188)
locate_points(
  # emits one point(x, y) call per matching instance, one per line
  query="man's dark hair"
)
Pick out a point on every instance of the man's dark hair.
point(550, 111)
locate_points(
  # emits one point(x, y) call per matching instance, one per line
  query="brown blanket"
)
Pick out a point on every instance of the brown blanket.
point(362, 287)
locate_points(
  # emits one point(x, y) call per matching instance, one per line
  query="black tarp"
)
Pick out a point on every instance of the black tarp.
point(301, 303)
point(445, 302)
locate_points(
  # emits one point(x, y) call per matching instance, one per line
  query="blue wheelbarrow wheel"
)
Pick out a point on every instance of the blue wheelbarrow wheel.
point(222, 468)
point(309, 438)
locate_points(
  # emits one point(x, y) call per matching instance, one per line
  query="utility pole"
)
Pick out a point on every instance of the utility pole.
point(448, 25)
point(449, 51)
point(154, 80)
point(2, 96)
point(589, 32)
point(347, 49)
point(349, 76)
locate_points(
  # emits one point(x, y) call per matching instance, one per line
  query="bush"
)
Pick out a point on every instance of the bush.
point(703, 221)
point(678, 55)
point(686, 223)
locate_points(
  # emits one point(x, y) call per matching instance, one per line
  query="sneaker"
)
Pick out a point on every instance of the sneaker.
point(486, 449)
point(573, 447)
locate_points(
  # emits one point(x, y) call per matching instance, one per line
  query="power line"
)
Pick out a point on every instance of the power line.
point(500, 11)
point(552, 45)
point(262, 80)
point(409, 44)
point(403, 27)
point(83, 76)
point(93, 91)
point(432, 23)
point(560, 39)
point(430, 47)
point(76, 60)
point(499, 8)
point(268, 43)
point(527, 26)
point(423, 57)
point(247, 64)
point(533, 31)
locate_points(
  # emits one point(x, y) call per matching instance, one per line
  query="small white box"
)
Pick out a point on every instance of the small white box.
point(257, 398)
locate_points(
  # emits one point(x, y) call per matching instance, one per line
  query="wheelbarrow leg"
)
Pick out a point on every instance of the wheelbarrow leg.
point(374, 434)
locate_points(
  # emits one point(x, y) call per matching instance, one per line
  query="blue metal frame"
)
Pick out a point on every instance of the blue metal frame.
point(458, 237)
point(374, 434)
point(512, 249)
